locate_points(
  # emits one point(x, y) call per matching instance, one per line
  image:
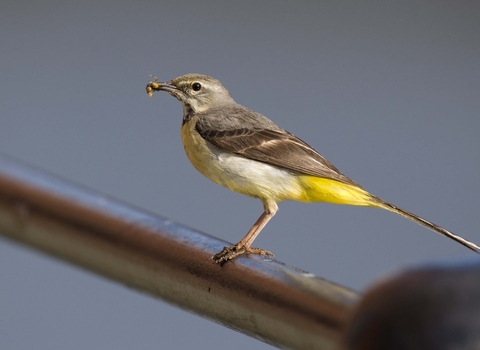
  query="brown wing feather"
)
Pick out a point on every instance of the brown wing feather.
point(266, 142)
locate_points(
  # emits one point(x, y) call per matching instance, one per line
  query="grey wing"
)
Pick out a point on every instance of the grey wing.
point(256, 137)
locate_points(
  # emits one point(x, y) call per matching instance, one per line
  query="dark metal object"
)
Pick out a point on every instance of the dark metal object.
point(430, 308)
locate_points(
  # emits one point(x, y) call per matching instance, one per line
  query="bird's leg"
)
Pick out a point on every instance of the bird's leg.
point(244, 246)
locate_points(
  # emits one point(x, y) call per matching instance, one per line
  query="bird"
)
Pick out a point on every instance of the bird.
point(248, 153)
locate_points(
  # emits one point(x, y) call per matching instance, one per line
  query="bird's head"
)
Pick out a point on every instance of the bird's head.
point(195, 91)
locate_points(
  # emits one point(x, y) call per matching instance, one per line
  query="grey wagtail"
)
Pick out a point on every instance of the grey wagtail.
point(248, 153)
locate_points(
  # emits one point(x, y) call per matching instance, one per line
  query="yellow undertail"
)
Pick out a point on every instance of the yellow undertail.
point(324, 190)
point(317, 189)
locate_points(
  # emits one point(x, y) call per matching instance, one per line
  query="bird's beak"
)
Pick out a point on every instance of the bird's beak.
point(157, 86)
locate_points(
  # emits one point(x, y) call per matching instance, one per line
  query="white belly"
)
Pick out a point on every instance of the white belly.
point(239, 174)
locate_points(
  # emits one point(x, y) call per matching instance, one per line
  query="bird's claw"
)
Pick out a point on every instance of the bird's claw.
point(229, 253)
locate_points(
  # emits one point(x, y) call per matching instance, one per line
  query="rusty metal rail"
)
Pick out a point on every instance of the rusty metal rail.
point(265, 299)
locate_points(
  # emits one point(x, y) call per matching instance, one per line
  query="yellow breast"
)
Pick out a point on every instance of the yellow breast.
point(239, 174)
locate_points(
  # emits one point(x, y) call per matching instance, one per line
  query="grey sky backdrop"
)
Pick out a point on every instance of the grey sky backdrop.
point(388, 91)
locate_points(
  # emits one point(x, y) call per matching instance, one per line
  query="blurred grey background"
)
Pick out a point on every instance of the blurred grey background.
point(388, 91)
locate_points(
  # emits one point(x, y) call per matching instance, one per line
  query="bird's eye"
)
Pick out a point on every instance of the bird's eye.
point(196, 86)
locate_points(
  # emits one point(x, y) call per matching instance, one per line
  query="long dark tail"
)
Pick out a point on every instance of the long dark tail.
point(440, 230)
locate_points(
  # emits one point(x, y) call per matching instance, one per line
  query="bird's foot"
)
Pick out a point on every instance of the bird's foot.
point(229, 253)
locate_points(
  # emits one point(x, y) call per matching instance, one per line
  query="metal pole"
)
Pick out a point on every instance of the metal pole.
point(265, 299)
